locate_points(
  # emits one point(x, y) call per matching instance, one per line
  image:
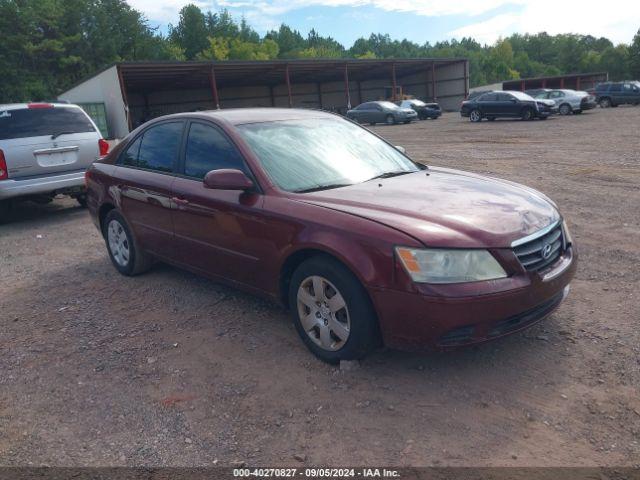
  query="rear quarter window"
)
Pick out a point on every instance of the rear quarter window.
point(36, 122)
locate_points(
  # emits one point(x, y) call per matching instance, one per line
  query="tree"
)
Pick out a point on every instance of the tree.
point(634, 57)
point(191, 32)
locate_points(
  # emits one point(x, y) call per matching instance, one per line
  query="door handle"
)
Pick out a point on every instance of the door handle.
point(180, 201)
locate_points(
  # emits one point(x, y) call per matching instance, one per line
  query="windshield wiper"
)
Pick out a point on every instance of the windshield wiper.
point(56, 135)
point(323, 187)
point(389, 175)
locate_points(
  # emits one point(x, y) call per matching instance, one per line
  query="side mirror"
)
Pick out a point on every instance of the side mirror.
point(227, 179)
point(401, 149)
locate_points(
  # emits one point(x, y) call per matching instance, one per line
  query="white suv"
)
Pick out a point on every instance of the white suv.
point(45, 148)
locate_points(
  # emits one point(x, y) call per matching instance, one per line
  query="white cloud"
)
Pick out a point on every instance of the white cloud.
point(617, 21)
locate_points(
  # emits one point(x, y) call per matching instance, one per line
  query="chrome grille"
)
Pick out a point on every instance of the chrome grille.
point(540, 251)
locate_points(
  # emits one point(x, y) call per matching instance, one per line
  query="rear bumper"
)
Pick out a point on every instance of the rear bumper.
point(588, 105)
point(411, 321)
point(58, 183)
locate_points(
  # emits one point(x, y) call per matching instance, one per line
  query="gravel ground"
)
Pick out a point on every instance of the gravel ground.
point(169, 369)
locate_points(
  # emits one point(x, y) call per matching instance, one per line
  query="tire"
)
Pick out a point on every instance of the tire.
point(5, 208)
point(565, 109)
point(346, 331)
point(389, 120)
point(527, 114)
point(491, 119)
point(605, 102)
point(82, 200)
point(407, 122)
point(119, 239)
point(475, 116)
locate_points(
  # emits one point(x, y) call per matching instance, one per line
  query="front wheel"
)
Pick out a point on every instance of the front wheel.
point(332, 311)
point(565, 109)
point(123, 250)
point(605, 102)
point(389, 120)
point(475, 116)
point(527, 114)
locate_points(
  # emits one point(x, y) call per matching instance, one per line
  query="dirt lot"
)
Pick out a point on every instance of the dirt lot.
point(172, 369)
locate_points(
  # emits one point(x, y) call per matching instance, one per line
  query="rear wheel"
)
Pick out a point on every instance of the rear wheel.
point(605, 102)
point(125, 254)
point(527, 114)
point(82, 200)
point(5, 208)
point(389, 120)
point(332, 311)
point(475, 115)
point(565, 109)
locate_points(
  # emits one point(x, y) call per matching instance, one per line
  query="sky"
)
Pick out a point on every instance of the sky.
point(419, 20)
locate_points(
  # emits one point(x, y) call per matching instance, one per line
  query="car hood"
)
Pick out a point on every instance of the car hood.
point(445, 208)
point(546, 101)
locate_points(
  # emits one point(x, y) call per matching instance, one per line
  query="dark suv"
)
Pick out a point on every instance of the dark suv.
point(612, 94)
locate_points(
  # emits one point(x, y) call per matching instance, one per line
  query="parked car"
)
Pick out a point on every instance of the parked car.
point(612, 94)
point(381, 112)
point(45, 149)
point(508, 104)
point(362, 244)
point(424, 110)
point(569, 101)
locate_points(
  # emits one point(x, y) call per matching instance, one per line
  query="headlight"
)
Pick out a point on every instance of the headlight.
point(449, 266)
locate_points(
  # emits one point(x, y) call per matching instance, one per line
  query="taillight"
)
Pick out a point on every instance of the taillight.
point(103, 145)
point(4, 173)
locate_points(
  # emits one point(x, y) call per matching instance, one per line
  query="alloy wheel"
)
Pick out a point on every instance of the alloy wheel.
point(323, 313)
point(475, 116)
point(118, 243)
point(565, 109)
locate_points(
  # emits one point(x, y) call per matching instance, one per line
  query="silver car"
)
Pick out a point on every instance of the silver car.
point(569, 101)
point(381, 112)
point(45, 148)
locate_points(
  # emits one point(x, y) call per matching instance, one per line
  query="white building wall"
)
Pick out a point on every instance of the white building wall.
point(103, 88)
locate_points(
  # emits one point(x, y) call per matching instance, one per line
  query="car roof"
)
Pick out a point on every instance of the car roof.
point(239, 116)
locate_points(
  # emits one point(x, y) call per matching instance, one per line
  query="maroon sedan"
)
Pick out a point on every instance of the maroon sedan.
point(362, 244)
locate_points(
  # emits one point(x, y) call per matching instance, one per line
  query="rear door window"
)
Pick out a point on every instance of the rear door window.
point(488, 97)
point(156, 149)
point(209, 149)
point(616, 87)
point(37, 122)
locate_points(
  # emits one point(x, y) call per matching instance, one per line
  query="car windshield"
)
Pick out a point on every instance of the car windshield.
point(316, 154)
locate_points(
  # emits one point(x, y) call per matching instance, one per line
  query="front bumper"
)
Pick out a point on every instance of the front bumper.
point(57, 183)
point(411, 321)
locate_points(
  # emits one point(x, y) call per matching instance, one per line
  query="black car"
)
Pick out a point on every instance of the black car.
point(424, 110)
point(509, 104)
point(612, 94)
